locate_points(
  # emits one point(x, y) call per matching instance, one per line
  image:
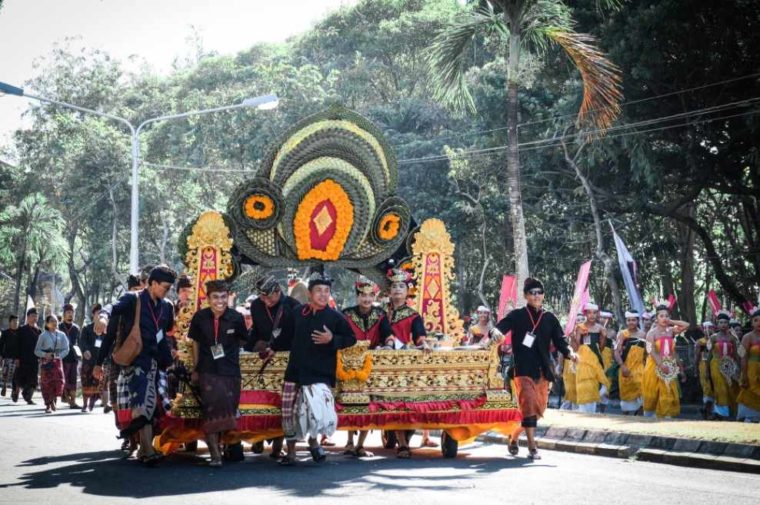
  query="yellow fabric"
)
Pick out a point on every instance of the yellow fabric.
point(568, 377)
point(659, 397)
point(750, 396)
point(607, 358)
point(704, 380)
point(631, 387)
point(725, 394)
point(589, 375)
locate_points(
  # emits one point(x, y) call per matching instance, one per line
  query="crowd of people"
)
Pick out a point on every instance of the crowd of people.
point(127, 357)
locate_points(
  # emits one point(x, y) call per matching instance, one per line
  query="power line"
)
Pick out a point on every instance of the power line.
point(555, 142)
point(539, 143)
point(623, 104)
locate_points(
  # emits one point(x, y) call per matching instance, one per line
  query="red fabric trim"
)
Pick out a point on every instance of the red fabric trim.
point(261, 398)
point(447, 405)
point(363, 420)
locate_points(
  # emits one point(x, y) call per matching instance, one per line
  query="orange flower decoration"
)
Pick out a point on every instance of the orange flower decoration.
point(259, 207)
point(323, 222)
point(389, 226)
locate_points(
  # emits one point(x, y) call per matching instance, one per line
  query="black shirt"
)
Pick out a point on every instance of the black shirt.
point(72, 333)
point(534, 361)
point(27, 341)
point(155, 318)
point(231, 334)
point(311, 363)
point(263, 319)
point(87, 342)
point(9, 344)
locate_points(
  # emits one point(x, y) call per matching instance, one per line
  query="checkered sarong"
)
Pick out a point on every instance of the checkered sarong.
point(289, 411)
point(9, 369)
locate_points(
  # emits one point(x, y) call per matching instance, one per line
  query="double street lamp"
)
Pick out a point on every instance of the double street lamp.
point(263, 102)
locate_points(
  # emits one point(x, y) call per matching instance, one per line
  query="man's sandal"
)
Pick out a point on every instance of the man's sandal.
point(360, 452)
point(404, 453)
point(318, 454)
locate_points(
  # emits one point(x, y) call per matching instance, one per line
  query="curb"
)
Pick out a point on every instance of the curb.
point(668, 450)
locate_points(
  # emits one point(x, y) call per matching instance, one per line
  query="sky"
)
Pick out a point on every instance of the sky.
point(154, 30)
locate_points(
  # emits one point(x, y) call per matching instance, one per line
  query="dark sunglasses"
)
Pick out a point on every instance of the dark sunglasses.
point(536, 292)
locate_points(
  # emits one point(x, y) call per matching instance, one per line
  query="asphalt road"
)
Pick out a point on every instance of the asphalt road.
point(69, 457)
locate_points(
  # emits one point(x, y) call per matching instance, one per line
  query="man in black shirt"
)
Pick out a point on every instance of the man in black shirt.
point(27, 370)
point(319, 332)
point(71, 360)
point(217, 333)
point(9, 353)
point(272, 316)
point(271, 330)
point(533, 331)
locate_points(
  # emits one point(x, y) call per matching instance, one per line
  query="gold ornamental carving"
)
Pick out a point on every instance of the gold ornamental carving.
point(433, 260)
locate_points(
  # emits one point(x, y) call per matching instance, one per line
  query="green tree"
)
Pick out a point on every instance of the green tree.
point(33, 229)
point(523, 27)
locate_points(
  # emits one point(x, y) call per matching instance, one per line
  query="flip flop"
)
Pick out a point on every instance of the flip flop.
point(513, 448)
point(404, 453)
point(286, 461)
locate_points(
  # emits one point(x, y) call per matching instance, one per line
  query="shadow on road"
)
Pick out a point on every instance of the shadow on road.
point(107, 473)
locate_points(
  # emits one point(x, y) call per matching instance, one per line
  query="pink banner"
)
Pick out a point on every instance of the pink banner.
point(508, 297)
point(715, 304)
point(579, 294)
point(747, 306)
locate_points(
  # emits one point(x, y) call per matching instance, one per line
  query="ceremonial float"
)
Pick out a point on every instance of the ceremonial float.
point(326, 196)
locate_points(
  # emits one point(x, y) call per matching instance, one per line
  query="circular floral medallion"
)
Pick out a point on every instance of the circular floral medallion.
point(389, 226)
point(258, 207)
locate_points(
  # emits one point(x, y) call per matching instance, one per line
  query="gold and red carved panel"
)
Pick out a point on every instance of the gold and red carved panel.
point(208, 258)
point(433, 260)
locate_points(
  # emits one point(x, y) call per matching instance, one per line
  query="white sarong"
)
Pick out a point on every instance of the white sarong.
point(316, 412)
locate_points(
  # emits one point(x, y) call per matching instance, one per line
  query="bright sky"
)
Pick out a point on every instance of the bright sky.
point(155, 30)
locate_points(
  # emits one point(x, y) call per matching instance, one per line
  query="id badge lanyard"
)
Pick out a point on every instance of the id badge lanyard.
point(532, 333)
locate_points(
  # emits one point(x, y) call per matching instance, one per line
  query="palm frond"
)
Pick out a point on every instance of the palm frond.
point(447, 55)
point(602, 91)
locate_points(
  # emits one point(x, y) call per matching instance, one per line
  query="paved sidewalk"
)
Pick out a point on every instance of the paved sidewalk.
point(703, 444)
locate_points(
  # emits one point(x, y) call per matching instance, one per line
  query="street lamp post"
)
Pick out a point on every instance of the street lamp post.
point(263, 102)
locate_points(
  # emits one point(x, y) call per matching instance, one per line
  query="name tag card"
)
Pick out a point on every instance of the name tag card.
point(529, 339)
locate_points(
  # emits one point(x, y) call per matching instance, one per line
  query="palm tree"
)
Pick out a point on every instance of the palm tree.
point(33, 229)
point(524, 26)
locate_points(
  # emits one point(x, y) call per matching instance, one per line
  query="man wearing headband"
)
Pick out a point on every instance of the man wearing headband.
point(702, 358)
point(630, 355)
point(28, 364)
point(272, 317)
point(137, 389)
point(533, 331)
point(407, 325)
point(724, 368)
point(271, 330)
point(659, 385)
point(217, 333)
point(308, 407)
point(408, 332)
point(591, 383)
point(369, 323)
point(90, 344)
point(71, 360)
point(749, 395)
